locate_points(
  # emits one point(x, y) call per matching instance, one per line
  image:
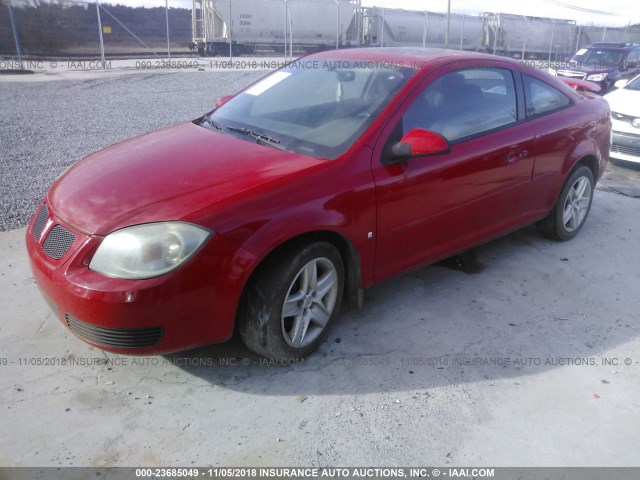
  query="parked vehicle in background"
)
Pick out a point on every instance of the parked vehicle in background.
point(336, 172)
point(604, 63)
point(625, 120)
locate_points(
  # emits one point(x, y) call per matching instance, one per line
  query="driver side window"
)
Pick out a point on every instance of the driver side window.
point(463, 103)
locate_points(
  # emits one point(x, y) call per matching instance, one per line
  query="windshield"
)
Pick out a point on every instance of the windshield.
point(598, 57)
point(313, 107)
point(633, 84)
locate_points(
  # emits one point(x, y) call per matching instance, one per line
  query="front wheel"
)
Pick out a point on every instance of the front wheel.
point(289, 305)
point(572, 208)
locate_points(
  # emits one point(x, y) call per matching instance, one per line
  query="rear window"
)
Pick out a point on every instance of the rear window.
point(541, 98)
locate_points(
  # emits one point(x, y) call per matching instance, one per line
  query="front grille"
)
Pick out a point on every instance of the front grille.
point(58, 242)
point(634, 151)
point(41, 220)
point(623, 118)
point(115, 337)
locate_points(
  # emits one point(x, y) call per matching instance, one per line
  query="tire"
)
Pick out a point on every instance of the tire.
point(284, 312)
point(572, 207)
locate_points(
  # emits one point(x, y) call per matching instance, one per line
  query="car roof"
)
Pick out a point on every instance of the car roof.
point(408, 56)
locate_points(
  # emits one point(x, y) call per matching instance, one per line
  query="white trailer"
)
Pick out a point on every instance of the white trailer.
point(246, 26)
point(529, 37)
point(392, 27)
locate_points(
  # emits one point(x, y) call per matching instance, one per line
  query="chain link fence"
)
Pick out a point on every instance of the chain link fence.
point(76, 28)
point(90, 29)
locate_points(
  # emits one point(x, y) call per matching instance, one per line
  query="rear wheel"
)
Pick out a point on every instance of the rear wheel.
point(289, 305)
point(572, 208)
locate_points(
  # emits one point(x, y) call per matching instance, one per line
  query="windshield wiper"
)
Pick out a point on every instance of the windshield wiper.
point(259, 138)
point(213, 123)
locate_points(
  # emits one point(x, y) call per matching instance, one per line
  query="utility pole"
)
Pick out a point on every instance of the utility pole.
point(15, 35)
point(424, 33)
point(524, 38)
point(337, 24)
point(553, 30)
point(446, 32)
point(286, 22)
point(166, 11)
point(229, 34)
point(100, 32)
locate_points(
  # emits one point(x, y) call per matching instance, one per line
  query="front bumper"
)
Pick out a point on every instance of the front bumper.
point(625, 146)
point(191, 306)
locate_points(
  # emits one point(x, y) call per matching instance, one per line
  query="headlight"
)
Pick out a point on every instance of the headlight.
point(636, 122)
point(598, 77)
point(553, 72)
point(148, 250)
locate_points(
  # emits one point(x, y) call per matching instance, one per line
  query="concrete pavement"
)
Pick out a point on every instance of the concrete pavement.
point(522, 364)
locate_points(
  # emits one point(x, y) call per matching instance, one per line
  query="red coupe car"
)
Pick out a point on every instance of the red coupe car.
point(339, 171)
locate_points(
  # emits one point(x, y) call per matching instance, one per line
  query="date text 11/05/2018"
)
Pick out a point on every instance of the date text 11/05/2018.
point(313, 472)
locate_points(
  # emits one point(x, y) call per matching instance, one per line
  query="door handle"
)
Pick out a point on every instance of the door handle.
point(515, 156)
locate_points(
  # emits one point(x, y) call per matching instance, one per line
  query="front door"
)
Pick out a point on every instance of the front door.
point(434, 206)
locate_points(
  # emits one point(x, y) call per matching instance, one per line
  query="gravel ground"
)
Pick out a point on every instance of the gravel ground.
point(47, 126)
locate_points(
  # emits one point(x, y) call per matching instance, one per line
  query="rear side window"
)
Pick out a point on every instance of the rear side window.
point(632, 59)
point(463, 103)
point(542, 98)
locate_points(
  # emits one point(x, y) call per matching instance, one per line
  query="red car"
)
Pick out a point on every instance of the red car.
point(339, 171)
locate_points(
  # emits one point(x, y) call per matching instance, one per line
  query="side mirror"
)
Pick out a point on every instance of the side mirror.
point(417, 143)
point(222, 100)
point(621, 83)
point(346, 75)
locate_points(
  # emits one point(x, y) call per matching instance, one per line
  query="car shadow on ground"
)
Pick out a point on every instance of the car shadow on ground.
point(622, 177)
point(526, 305)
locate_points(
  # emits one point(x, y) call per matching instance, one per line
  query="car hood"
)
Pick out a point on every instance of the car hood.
point(624, 101)
point(588, 70)
point(165, 175)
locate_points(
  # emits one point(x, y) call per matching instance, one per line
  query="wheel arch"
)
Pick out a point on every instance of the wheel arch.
point(586, 152)
point(549, 226)
point(591, 162)
point(348, 252)
point(588, 159)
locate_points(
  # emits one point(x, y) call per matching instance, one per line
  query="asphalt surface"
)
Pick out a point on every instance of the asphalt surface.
point(531, 358)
